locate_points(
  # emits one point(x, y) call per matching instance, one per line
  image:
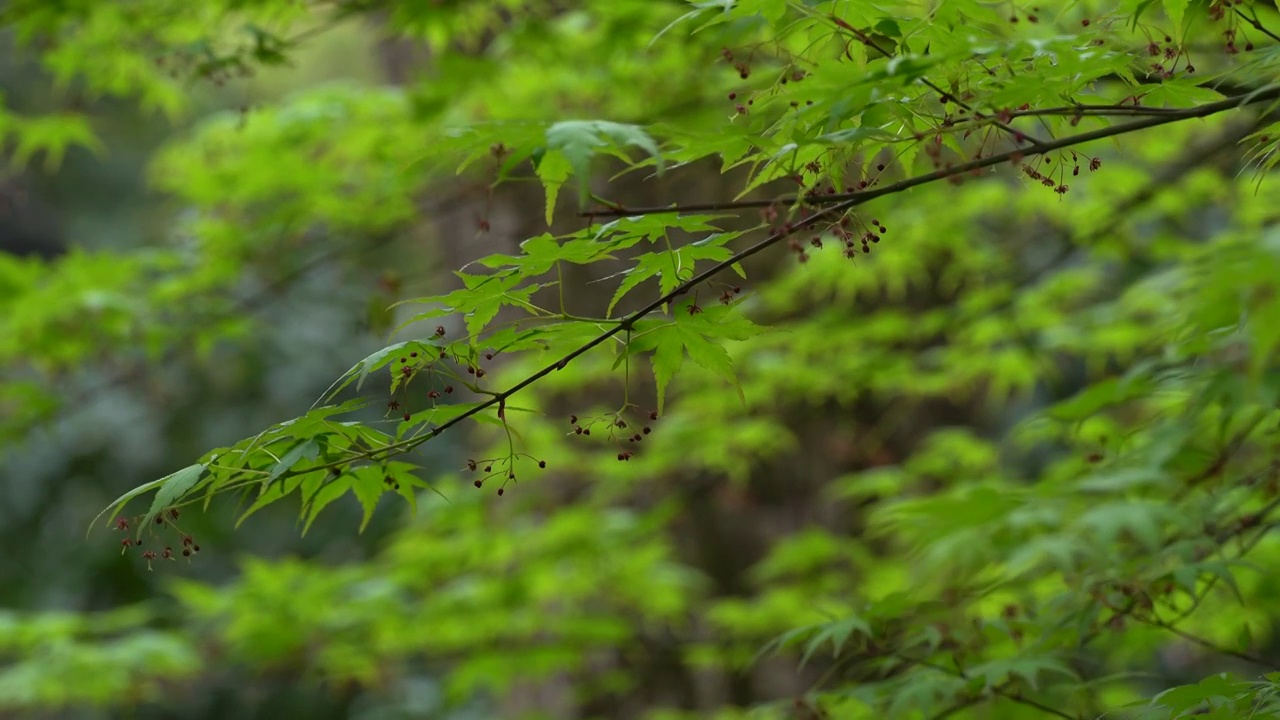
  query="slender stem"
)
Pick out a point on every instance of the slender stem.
point(1256, 24)
point(560, 289)
point(840, 205)
point(943, 95)
point(1208, 645)
point(849, 200)
point(626, 364)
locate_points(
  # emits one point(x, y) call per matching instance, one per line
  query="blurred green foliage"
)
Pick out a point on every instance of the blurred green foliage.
point(984, 426)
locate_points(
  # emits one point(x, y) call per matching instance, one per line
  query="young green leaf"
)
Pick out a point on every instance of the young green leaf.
point(171, 489)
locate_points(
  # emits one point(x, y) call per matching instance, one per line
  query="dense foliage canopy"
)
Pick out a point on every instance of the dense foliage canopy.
point(810, 359)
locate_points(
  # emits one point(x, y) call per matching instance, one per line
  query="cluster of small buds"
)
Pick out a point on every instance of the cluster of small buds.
point(1005, 115)
point(509, 473)
point(1231, 47)
point(871, 233)
point(1219, 9)
point(1032, 16)
point(797, 247)
point(218, 70)
point(615, 424)
point(189, 546)
point(1044, 180)
point(1169, 54)
point(727, 297)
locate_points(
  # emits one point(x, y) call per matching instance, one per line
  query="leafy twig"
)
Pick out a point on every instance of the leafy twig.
point(846, 201)
point(841, 204)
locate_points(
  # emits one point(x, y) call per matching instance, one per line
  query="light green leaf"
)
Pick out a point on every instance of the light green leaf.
point(308, 449)
point(327, 494)
point(118, 504)
point(577, 141)
point(369, 484)
point(553, 170)
point(172, 488)
point(668, 357)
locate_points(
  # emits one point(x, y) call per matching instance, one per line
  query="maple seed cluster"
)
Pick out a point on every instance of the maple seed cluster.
point(1032, 16)
point(617, 424)
point(410, 365)
point(1046, 180)
point(508, 472)
point(727, 297)
point(218, 71)
point(169, 518)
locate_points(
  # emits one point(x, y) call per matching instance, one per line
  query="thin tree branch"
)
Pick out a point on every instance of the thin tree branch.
point(842, 204)
point(1207, 644)
point(997, 690)
point(1256, 24)
point(943, 95)
point(1132, 608)
point(849, 200)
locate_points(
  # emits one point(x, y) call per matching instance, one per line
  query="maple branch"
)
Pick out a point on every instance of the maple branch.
point(839, 204)
point(943, 95)
point(1084, 109)
point(849, 200)
point(1208, 644)
point(1130, 611)
point(1256, 24)
point(1003, 690)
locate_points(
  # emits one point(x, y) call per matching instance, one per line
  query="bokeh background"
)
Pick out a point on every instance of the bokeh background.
point(289, 208)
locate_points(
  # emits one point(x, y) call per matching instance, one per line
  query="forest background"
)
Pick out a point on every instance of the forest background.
point(639, 359)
